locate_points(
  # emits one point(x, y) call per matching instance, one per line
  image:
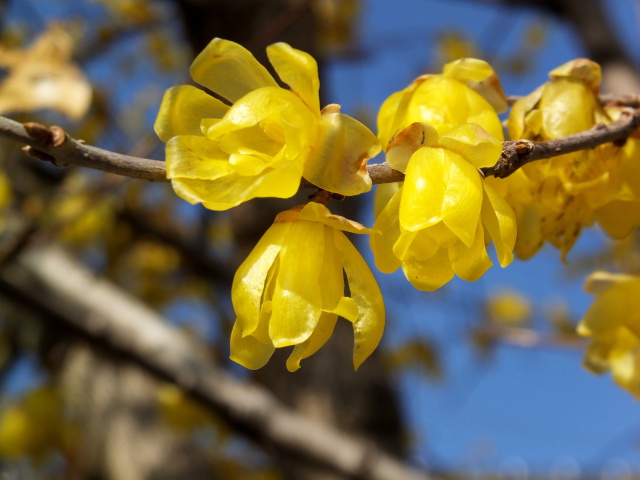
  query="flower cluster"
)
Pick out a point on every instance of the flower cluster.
point(439, 131)
point(261, 144)
point(570, 191)
point(261, 140)
point(613, 325)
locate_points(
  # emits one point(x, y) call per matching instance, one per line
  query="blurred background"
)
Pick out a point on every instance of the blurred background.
point(479, 380)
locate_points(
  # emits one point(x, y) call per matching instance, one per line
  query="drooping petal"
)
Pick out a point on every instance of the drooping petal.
point(387, 227)
point(331, 275)
point(368, 328)
point(474, 143)
point(316, 212)
point(232, 189)
point(500, 221)
point(424, 189)
point(405, 143)
point(297, 300)
point(297, 69)
point(249, 352)
point(423, 246)
point(250, 279)
point(182, 109)
point(318, 338)
point(229, 70)
point(339, 164)
point(470, 263)
point(430, 274)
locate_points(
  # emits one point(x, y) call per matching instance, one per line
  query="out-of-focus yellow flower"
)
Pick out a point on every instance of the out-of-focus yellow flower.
point(35, 426)
point(290, 290)
point(440, 221)
point(613, 324)
point(261, 145)
point(572, 190)
point(509, 307)
point(468, 91)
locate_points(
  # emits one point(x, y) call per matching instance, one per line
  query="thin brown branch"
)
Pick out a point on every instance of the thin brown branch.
point(56, 146)
point(517, 153)
point(51, 282)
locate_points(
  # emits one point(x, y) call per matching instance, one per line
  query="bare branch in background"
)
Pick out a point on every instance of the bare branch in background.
point(108, 317)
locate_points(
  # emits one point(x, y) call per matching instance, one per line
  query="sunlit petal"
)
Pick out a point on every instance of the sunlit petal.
point(297, 302)
point(229, 70)
point(368, 328)
point(318, 338)
point(500, 222)
point(249, 352)
point(182, 109)
point(470, 263)
point(382, 243)
point(339, 164)
point(297, 69)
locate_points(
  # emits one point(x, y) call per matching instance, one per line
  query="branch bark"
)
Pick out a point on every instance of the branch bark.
point(54, 145)
point(50, 281)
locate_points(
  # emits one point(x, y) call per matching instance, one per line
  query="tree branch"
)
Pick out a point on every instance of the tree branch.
point(55, 146)
point(49, 281)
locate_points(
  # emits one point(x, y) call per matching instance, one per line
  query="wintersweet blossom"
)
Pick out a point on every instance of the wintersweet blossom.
point(467, 91)
point(573, 189)
point(613, 325)
point(290, 290)
point(262, 144)
point(439, 222)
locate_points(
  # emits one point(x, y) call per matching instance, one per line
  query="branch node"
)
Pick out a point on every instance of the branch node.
point(38, 155)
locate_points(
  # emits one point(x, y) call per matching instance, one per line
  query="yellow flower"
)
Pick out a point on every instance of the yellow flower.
point(572, 190)
point(468, 91)
point(261, 145)
point(613, 324)
point(290, 290)
point(440, 221)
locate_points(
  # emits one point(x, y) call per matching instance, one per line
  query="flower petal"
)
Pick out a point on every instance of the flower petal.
point(424, 189)
point(297, 69)
point(318, 338)
point(474, 144)
point(297, 300)
point(479, 76)
point(388, 226)
point(430, 274)
point(368, 328)
point(316, 212)
point(182, 109)
point(463, 198)
point(249, 282)
point(405, 143)
point(195, 157)
point(470, 263)
point(249, 352)
point(339, 164)
point(500, 221)
point(229, 70)
point(232, 189)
